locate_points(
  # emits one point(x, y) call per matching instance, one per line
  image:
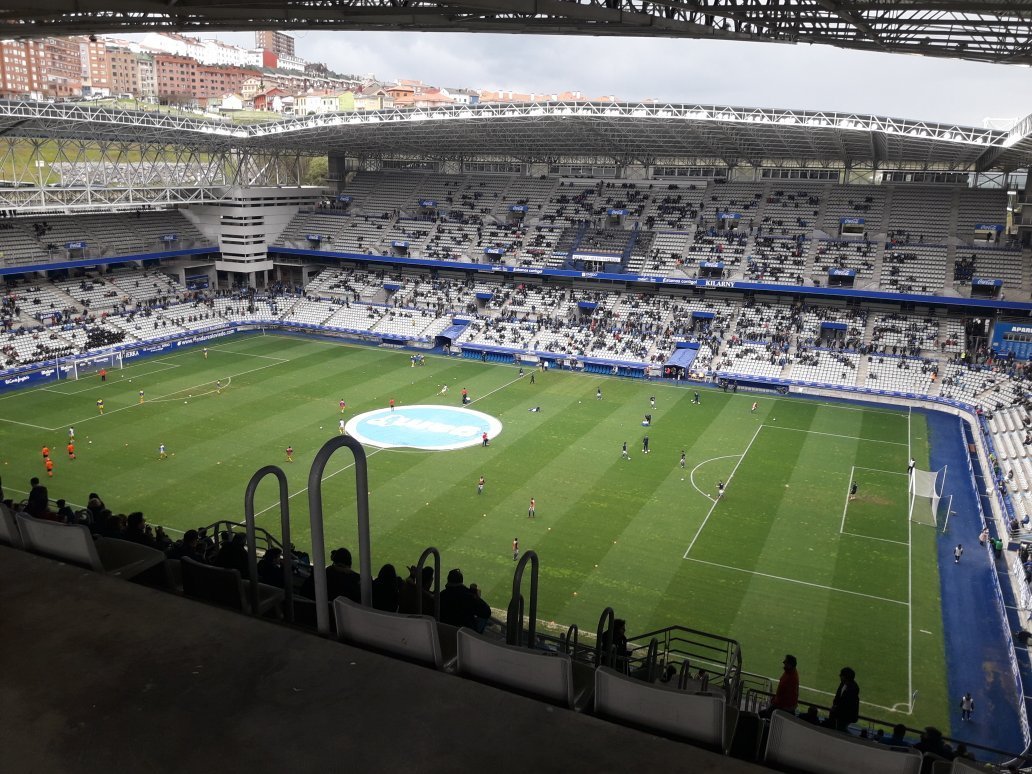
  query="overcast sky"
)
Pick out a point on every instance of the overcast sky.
point(724, 73)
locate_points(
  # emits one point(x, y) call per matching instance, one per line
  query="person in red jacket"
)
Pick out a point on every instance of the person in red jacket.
point(786, 697)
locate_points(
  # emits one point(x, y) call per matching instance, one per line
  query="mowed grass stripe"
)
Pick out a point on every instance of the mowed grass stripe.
point(567, 456)
point(663, 511)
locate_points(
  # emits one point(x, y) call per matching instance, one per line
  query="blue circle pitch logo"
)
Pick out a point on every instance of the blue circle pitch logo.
point(431, 428)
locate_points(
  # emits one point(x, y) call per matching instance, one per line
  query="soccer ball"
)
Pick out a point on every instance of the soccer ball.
point(186, 401)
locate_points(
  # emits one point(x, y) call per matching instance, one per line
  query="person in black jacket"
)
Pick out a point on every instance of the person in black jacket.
point(462, 605)
point(845, 707)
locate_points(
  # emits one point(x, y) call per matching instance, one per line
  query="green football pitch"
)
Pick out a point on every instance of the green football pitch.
point(783, 562)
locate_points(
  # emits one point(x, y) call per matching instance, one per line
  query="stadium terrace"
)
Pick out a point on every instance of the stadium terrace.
point(824, 315)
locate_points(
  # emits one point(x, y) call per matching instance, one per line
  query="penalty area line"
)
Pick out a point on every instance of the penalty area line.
point(713, 507)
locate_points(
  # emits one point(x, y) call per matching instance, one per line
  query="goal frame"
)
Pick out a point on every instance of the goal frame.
point(926, 486)
point(85, 367)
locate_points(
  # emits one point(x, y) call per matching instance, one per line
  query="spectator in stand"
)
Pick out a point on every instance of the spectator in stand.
point(137, 530)
point(408, 599)
point(786, 698)
point(898, 738)
point(341, 580)
point(64, 513)
point(845, 707)
point(811, 716)
point(387, 589)
point(39, 500)
point(110, 525)
point(932, 742)
point(189, 547)
point(233, 554)
point(462, 605)
point(620, 651)
point(270, 567)
point(94, 505)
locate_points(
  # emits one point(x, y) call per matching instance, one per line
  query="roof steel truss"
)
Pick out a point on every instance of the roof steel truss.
point(981, 30)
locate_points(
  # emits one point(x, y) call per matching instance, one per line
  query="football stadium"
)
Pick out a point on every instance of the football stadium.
point(562, 422)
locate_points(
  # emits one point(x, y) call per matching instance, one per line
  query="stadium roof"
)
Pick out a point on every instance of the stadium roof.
point(981, 30)
point(624, 132)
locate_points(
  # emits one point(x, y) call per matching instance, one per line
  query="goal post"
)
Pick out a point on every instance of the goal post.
point(925, 488)
point(86, 366)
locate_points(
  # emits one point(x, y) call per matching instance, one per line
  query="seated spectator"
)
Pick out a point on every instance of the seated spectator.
point(932, 742)
point(233, 554)
point(188, 548)
point(94, 505)
point(64, 513)
point(811, 716)
point(270, 567)
point(898, 738)
point(386, 589)
point(462, 605)
point(109, 525)
point(409, 596)
point(341, 580)
point(137, 530)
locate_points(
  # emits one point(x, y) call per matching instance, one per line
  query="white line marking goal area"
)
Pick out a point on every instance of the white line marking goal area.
point(874, 522)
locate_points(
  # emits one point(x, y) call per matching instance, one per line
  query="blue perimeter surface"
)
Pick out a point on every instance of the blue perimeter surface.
point(977, 640)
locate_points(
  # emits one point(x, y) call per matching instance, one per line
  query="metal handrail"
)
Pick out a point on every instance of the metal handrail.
point(572, 634)
point(514, 617)
point(605, 632)
point(288, 555)
point(315, 512)
point(427, 552)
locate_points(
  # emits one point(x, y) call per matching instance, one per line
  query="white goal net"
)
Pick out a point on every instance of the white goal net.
point(86, 366)
point(925, 492)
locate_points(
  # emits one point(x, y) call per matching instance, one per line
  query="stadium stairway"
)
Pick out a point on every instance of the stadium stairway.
point(171, 685)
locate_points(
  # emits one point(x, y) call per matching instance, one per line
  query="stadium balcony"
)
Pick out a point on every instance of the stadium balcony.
point(38, 240)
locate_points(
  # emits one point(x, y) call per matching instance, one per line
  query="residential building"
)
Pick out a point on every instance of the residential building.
point(16, 70)
point(175, 79)
point(272, 100)
point(214, 81)
point(98, 68)
point(173, 43)
point(378, 101)
point(147, 75)
point(61, 74)
point(279, 42)
point(232, 102)
point(289, 62)
point(125, 72)
point(345, 102)
point(47, 67)
point(463, 96)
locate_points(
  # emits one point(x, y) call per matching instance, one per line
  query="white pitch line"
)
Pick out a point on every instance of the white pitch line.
point(879, 470)
point(691, 476)
point(27, 424)
point(248, 354)
point(101, 385)
point(835, 435)
point(712, 507)
point(163, 398)
point(799, 582)
point(842, 526)
point(871, 537)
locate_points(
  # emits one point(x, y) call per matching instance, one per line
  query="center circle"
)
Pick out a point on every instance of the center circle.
point(431, 428)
